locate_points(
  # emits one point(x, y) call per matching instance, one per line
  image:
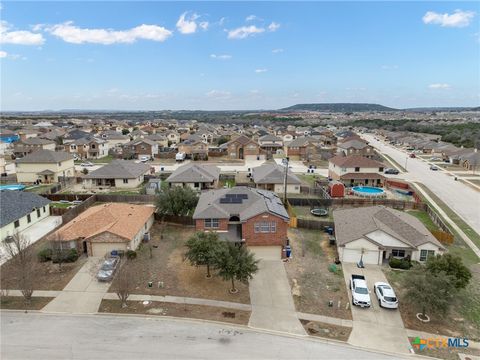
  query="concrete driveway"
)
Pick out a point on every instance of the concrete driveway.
point(272, 302)
point(83, 294)
point(375, 328)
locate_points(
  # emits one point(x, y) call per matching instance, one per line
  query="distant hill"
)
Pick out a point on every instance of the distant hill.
point(338, 107)
point(444, 109)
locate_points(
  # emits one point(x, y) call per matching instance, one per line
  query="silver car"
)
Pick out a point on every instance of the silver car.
point(107, 270)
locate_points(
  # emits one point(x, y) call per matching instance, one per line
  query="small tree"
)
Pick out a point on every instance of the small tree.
point(203, 248)
point(123, 284)
point(176, 201)
point(85, 171)
point(432, 292)
point(450, 265)
point(125, 131)
point(22, 264)
point(58, 251)
point(235, 263)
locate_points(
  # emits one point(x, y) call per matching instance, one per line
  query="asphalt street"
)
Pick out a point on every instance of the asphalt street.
point(48, 336)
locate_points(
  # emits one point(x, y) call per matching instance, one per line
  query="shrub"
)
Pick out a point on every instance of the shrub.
point(45, 255)
point(399, 263)
point(71, 255)
point(131, 254)
point(67, 256)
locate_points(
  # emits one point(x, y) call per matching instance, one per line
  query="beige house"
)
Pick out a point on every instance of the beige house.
point(122, 174)
point(356, 170)
point(272, 177)
point(45, 166)
point(195, 176)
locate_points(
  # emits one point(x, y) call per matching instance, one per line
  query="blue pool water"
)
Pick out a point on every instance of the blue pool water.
point(12, 187)
point(368, 190)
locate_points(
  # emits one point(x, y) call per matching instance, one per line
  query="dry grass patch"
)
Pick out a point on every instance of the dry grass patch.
point(18, 303)
point(158, 308)
point(313, 285)
point(328, 331)
point(172, 275)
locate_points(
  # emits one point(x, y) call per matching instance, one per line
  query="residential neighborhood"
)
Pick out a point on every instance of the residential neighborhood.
point(239, 180)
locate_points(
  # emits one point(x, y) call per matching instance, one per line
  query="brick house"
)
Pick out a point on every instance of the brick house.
point(194, 149)
point(356, 170)
point(140, 147)
point(355, 146)
point(243, 147)
point(245, 215)
point(301, 148)
point(88, 148)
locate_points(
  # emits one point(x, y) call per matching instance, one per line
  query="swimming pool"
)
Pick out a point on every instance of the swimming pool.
point(12, 187)
point(368, 191)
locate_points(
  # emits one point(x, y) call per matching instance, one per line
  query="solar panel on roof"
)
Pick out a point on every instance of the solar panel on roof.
point(242, 196)
point(230, 195)
point(237, 201)
point(225, 200)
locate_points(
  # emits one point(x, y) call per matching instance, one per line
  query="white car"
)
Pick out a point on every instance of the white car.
point(86, 164)
point(385, 295)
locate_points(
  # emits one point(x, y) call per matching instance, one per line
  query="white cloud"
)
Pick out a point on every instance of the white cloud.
point(252, 18)
point(19, 37)
point(221, 56)
point(277, 51)
point(3, 54)
point(72, 34)
point(244, 32)
point(218, 94)
point(439, 86)
point(204, 25)
point(273, 26)
point(187, 25)
point(259, 71)
point(389, 67)
point(459, 18)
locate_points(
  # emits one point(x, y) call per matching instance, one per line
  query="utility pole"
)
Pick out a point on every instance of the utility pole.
point(285, 181)
point(406, 159)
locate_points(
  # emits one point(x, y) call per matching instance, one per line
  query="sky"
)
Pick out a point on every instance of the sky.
point(237, 55)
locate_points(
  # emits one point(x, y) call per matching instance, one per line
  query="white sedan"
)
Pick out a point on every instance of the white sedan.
point(385, 295)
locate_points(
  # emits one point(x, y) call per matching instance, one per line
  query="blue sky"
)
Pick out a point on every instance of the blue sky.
point(237, 55)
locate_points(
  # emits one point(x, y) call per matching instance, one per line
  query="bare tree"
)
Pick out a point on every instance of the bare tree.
point(22, 264)
point(123, 283)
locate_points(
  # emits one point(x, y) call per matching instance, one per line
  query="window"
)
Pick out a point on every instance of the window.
point(265, 227)
point(357, 169)
point(425, 254)
point(380, 169)
point(125, 181)
point(211, 223)
point(398, 253)
point(16, 223)
point(273, 227)
point(196, 184)
point(29, 219)
point(38, 213)
point(44, 210)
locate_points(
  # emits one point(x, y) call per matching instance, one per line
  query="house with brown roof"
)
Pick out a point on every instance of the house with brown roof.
point(244, 215)
point(103, 228)
point(377, 233)
point(355, 146)
point(356, 170)
point(302, 148)
point(243, 147)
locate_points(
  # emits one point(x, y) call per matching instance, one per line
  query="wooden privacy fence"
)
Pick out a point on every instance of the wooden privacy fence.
point(396, 204)
point(443, 237)
point(176, 219)
point(314, 224)
point(292, 214)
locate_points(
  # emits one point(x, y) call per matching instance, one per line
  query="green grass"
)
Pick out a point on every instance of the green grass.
point(60, 205)
point(312, 240)
point(471, 233)
point(424, 218)
point(39, 189)
point(389, 160)
point(103, 160)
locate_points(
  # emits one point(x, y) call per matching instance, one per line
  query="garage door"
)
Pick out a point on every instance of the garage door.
point(353, 256)
point(267, 252)
point(102, 249)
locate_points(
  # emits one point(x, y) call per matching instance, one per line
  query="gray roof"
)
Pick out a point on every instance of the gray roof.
point(37, 141)
point(356, 144)
point(195, 173)
point(272, 174)
point(17, 204)
point(298, 142)
point(353, 224)
point(45, 156)
point(119, 169)
point(257, 202)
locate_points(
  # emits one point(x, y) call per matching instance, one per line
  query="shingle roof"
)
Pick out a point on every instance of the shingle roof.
point(36, 141)
point(126, 169)
point(353, 224)
point(298, 142)
point(355, 161)
point(356, 144)
point(124, 220)
point(194, 173)
point(257, 202)
point(17, 204)
point(45, 156)
point(272, 174)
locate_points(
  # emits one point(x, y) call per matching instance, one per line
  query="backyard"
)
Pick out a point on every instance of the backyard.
point(162, 263)
point(313, 284)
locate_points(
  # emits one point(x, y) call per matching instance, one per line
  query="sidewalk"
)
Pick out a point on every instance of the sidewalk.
point(442, 213)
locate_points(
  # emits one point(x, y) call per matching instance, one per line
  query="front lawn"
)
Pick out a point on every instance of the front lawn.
point(158, 308)
point(172, 275)
point(329, 331)
point(313, 284)
point(18, 303)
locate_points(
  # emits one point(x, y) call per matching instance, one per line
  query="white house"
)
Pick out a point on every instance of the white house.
point(126, 174)
point(44, 165)
point(376, 233)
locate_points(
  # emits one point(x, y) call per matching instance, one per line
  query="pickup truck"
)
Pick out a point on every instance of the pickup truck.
point(360, 293)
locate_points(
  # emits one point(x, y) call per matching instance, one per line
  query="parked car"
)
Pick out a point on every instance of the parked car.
point(108, 268)
point(144, 158)
point(180, 156)
point(360, 292)
point(86, 164)
point(391, 171)
point(434, 168)
point(385, 295)
point(412, 155)
point(434, 158)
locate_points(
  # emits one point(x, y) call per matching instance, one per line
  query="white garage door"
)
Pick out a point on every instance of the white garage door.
point(353, 256)
point(267, 252)
point(102, 249)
